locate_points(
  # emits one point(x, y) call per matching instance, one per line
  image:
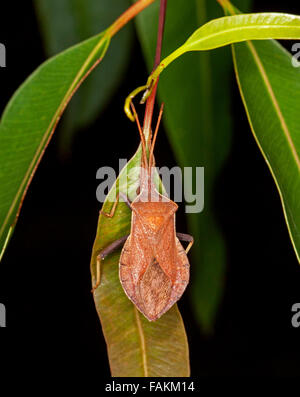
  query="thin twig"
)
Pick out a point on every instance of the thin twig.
point(151, 99)
point(130, 13)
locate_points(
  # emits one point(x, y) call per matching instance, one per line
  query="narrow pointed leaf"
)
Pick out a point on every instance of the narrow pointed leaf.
point(136, 346)
point(29, 121)
point(193, 91)
point(270, 88)
point(232, 29)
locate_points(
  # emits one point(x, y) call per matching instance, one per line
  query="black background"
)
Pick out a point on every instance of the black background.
point(52, 325)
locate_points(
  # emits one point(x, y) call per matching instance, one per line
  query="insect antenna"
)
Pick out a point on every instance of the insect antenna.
point(143, 141)
point(151, 160)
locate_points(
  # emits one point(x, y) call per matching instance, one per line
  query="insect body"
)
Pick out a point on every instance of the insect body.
point(153, 267)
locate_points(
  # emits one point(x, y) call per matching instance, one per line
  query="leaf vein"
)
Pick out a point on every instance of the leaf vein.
point(143, 341)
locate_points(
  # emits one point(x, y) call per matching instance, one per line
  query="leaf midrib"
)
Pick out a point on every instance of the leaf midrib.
point(142, 342)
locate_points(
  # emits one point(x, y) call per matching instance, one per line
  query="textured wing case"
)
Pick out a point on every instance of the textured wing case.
point(154, 268)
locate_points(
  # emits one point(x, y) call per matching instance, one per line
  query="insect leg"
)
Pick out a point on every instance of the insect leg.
point(106, 251)
point(186, 237)
point(113, 210)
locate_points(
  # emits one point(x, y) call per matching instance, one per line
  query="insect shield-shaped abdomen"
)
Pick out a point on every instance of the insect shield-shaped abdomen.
point(154, 268)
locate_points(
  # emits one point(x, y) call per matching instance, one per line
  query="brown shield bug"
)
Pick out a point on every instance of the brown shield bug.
point(153, 267)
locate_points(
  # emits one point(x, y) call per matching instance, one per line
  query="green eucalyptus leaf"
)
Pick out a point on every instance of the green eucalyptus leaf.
point(236, 28)
point(270, 88)
point(29, 121)
point(136, 346)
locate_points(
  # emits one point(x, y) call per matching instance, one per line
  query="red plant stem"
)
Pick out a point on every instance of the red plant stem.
point(160, 33)
point(130, 13)
point(151, 99)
